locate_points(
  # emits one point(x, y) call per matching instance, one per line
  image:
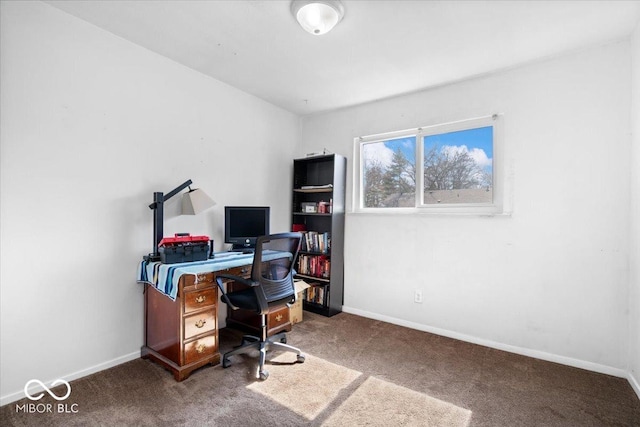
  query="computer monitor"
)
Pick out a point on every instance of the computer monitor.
point(244, 224)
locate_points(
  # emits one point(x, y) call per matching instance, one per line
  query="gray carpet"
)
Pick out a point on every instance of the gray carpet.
point(358, 372)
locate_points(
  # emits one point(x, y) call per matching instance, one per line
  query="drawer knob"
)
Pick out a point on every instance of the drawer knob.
point(201, 277)
point(201, 348)
point(200, 299)
point(278, 317)
point(200, 323)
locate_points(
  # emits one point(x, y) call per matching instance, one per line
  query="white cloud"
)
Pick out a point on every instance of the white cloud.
point(477, 154)
point(384, 155)
point(378, 151)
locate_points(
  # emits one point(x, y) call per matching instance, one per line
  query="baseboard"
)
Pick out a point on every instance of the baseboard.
point(634, 384)
point(75, 375)
point(577, 363)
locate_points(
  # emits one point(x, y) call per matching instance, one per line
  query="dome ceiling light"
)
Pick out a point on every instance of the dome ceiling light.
point(317, 16)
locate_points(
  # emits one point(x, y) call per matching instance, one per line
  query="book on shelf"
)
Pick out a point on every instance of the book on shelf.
point(313, 241)
point(315, 294)
point(314, 265)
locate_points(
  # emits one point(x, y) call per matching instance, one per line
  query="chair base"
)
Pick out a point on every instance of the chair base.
point(251, 342)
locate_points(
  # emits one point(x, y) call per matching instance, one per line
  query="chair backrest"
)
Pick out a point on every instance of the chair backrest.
point(273, 265)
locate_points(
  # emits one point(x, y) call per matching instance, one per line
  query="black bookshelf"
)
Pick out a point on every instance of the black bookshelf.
point(318, 205)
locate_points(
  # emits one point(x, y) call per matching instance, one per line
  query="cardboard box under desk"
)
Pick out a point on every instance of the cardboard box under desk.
point(295, 309)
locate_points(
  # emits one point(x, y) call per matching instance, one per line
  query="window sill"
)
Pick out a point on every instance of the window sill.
point(433, 212)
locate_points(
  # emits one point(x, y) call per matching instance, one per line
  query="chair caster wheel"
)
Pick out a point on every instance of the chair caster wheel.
point(225, 362)
point(283, 340)
point(264, 375)
point(300, 358)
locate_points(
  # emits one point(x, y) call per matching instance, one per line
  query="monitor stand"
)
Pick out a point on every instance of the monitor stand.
point(243, 249)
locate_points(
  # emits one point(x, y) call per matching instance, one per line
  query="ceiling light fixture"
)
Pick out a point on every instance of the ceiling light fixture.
point(317, 16)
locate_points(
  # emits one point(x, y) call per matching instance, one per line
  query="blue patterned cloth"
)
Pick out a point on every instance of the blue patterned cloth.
point(165, 277)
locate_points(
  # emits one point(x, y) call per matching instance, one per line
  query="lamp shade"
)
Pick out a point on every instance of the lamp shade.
point(317, 16)
point(196, 201)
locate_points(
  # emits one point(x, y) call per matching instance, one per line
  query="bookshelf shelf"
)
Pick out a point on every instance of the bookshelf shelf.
point(318, 211)
point(313, 190)
point(310, 214)
point(313, 278)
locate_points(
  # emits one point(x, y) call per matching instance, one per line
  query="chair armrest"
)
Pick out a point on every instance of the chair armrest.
point(220, 281)
point(242, 280)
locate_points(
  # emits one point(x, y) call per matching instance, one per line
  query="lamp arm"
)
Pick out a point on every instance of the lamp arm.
point(178, 189)
point(158, 214)
point(169, 195)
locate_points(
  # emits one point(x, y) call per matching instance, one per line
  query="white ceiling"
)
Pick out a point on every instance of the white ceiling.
point(382, 48)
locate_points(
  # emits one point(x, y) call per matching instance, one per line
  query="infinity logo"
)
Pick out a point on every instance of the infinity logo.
point(52, 394)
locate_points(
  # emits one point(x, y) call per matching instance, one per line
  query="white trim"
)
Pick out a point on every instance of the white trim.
point(634, 384)
point(419, 168)
point(400, 133)
point(425, 212)
point(563, 360)
point(9, 398)
point(357, 175)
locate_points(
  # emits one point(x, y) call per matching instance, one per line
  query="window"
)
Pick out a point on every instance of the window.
point(457, 170)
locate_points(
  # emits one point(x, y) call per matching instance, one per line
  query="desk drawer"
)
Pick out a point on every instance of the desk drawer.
point(278, 318)
point(199, 349)
point(199, 299)
point(243, 271)
point(197, 279)
point(199, 323)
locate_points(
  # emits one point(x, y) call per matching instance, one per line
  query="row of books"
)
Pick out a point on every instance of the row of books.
point(314, 265)
point(313, 241)
point(315, 294)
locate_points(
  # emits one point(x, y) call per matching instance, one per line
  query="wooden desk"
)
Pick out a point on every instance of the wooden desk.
point(181, 312)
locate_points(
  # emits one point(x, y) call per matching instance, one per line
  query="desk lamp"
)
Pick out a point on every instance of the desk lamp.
point(193, 202)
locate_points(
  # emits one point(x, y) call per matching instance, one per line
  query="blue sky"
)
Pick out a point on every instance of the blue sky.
point(478, 141)
point(473, 138)
point(406, 145)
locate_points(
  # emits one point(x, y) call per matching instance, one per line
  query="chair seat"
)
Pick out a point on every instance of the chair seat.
point(244, 299)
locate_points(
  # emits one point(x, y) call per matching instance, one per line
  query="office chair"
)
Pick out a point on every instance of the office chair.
point(270, 287)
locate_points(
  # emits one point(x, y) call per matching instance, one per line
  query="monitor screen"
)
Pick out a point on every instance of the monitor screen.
point(244, 224)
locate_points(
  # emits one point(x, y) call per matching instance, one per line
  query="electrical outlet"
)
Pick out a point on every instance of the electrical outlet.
point(417, 297)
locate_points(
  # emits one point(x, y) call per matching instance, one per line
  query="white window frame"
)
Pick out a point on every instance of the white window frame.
point(494, 208)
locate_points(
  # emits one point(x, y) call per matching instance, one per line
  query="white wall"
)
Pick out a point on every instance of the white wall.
point(92, 125)
point(634, 259)
point(550, 280)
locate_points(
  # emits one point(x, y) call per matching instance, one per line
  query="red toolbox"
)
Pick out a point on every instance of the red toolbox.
point(183, 247)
